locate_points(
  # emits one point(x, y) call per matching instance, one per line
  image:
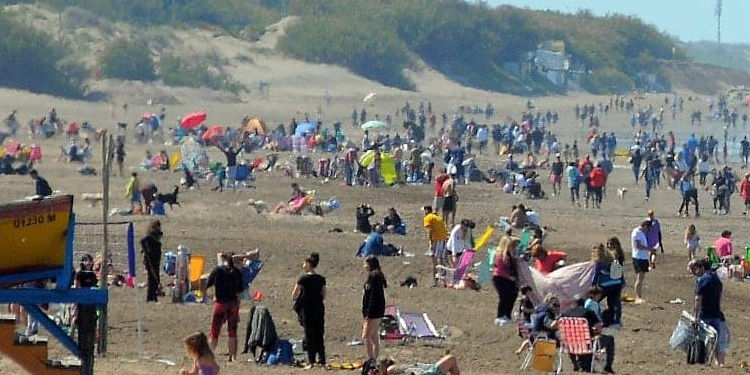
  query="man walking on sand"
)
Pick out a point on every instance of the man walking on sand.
point(640, 253)
point(450, 200)
point(653, 238)
point(437, 236)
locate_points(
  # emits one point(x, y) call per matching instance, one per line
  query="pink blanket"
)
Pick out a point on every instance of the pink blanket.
point(564, 282)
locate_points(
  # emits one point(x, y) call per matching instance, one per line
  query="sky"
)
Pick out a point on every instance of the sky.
point(688, 20)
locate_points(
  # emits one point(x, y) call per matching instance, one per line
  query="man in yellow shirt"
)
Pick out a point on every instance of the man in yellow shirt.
point(437, 234)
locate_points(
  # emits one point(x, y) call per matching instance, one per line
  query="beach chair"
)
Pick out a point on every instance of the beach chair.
point(712, 256)
point(576, 340)
point(527, 355)
point(412, 326)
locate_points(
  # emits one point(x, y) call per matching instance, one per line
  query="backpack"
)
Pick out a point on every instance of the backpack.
point(615, 270)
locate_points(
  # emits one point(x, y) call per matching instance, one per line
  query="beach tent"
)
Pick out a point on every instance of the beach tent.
point(255, 124)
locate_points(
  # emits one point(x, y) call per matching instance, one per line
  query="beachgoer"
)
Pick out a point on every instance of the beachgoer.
point(606, 342)
point(204, 363)
point(231, 156)
point(723, 245)
point(227, 282)
point(745, 192)
point(363, 218)
point(41, 186)
point(120, 154)
point(546, 261)
point(450, 200)
point(653, 238)
point(640, 253)
point(437, 235)
point(707, 305)
point(151, 249)
point(459, 239)
point(525, 309)
point(504, 279)
point(692, 241)
point(447, 365)
point(610, 278)
point(373, 306)
point(133, 193)
point(309, 294)
point(574, 183)
point(393, 222)
point(555, 175)
point(543, 320)
point(594, 296)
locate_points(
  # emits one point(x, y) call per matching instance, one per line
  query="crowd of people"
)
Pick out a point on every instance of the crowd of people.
point(654, 156)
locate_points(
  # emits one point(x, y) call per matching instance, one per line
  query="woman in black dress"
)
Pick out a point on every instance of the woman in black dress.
point(373, 306)
point(151, 249)
point(309, 294)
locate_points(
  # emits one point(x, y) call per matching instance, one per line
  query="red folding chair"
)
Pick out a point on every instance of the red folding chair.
point(575, 339)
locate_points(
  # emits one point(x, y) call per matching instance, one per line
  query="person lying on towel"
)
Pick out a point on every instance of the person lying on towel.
point(447, 365)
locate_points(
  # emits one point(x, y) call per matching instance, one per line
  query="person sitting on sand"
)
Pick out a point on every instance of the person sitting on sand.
point(393, 223)
point(447, 365)
point(198, 349)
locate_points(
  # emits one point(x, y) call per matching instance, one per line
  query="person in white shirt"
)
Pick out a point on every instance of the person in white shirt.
point(459, 240)
point(640, 253)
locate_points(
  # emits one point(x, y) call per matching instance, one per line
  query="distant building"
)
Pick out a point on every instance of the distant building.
point(550, 61)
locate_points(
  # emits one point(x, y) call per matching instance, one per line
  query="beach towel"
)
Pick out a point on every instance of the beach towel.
point(485, 271)
point(463, 264)
point(564, 282)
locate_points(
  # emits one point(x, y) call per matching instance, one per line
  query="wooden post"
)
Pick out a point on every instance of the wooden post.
point(107, 150)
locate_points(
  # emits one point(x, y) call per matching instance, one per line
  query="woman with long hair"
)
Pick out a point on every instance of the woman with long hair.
point(309, 294)
point(504, 278)
point(204, 363)
point(373, 306)
point(610, 278)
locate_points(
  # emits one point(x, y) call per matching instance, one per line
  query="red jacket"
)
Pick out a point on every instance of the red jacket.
point(598, 177)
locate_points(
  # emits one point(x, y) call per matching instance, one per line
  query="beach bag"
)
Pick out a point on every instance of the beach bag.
point(696, 351)
point(281, 354)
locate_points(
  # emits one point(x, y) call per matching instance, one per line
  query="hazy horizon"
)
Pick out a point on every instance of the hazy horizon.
point(696, 20)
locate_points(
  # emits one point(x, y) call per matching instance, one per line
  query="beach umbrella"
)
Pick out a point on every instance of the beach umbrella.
point(193, 120)
point(214, 131)
point(305, 127)
point(375, 125)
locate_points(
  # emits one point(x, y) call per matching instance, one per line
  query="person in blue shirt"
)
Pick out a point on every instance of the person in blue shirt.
point(707, 305)
point(373, 244)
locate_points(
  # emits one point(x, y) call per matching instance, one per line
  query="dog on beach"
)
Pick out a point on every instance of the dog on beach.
point(621, 192)
point(92, 198)
point(170, 198)
point(259, 206)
